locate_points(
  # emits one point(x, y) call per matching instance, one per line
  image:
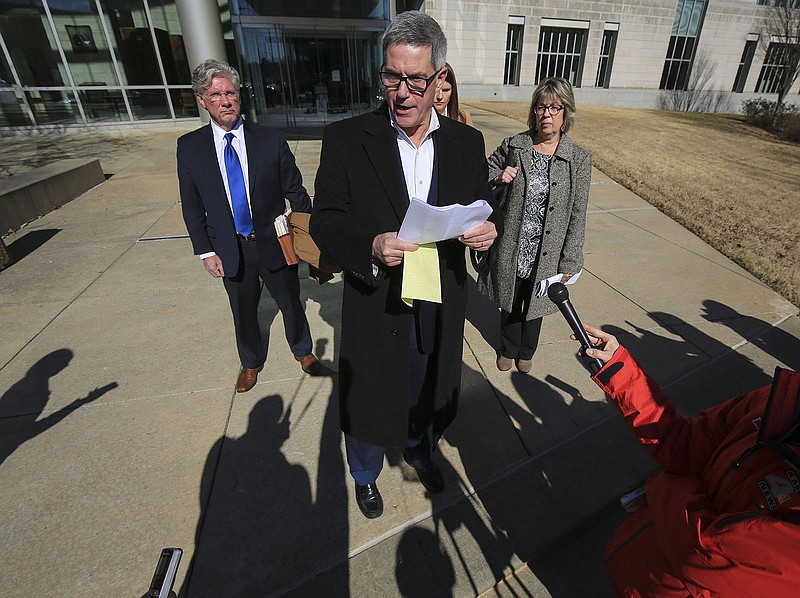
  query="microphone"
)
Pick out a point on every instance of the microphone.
point(559, 295)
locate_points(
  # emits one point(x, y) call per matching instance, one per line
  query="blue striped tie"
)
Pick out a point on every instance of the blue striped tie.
point(241, 210)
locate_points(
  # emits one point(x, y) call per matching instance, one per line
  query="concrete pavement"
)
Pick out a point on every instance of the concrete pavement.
point(120, 431)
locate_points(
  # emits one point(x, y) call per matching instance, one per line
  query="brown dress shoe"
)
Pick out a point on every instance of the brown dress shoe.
point(309, 364)
point(524, 365)
point(504, 363)
point(247, 379)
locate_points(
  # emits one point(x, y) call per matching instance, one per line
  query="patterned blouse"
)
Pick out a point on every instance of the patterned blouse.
point(530, 234)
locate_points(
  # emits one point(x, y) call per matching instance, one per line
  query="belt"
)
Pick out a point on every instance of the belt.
point(250, 237)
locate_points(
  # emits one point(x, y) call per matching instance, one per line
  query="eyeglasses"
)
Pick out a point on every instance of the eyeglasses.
point(553, 109)
point(216, 97)
point(392, 80)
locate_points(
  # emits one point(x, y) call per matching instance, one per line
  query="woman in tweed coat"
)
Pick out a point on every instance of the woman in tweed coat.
point(544, 219)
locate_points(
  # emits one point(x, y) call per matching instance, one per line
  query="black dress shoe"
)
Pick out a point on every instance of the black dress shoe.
point(369, 500)
point(430, 476)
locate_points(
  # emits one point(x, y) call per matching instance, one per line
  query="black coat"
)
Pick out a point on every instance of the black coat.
point(360, 193)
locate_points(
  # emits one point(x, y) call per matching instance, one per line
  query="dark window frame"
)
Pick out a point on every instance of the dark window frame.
point(513, 55)
point(561, 53)
point(745, 62)
point(682, 48)
point(608, 48)
point(773, 70)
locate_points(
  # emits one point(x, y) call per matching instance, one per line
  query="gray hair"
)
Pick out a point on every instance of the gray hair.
point(210, 68)
point(415, 28)
point(554, 88)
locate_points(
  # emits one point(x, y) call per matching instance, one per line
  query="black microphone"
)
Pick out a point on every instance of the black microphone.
point(559, 295)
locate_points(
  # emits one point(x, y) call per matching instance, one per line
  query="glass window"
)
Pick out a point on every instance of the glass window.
point(561, 53)
point(84, 42)
point(183, 103)
point(12, 110)
point(301, 77)
point(170, 42)
point(686, 28)
point(513, 54)
point(744, 66)
point(606, 59)
point(101, 104)
point(148, 104)
point(53, 107)
point(30, 41)
point(342, 9)
point(773, 69)
point(688, 17)
point(132, 41)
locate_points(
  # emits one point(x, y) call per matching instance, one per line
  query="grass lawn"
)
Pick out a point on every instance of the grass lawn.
point(734, 185)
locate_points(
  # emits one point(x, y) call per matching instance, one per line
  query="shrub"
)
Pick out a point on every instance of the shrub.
point(759, 112)
point(769, 115)
point(792, 129)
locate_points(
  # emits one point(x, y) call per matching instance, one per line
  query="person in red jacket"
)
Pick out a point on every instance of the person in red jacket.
point(722, 518)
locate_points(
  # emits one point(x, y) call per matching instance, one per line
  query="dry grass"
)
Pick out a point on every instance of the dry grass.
point(735, 186)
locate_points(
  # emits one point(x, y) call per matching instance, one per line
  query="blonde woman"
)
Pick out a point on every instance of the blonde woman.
point(544, 215)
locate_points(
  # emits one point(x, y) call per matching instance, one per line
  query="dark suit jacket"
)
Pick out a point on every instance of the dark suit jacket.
point(360, 193)
point(273, 175)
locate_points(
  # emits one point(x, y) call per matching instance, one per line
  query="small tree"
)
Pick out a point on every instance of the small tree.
point(782, 26)
point(697, 97)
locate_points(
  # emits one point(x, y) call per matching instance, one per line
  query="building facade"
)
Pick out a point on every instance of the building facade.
point(66, 63)
point(637, 53)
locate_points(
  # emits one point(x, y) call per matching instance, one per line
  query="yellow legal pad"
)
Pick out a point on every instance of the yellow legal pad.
point(421, 278)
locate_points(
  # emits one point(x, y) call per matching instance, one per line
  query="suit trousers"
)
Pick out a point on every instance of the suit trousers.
point(519, 337)
point(365, 460)
point(244, 293)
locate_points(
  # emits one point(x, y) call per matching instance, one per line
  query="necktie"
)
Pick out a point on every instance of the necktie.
point(241, 210)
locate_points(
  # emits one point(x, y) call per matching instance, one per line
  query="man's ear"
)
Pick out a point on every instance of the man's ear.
point(201, 100)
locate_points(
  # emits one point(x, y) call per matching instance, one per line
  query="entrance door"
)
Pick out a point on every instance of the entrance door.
point(307, 78)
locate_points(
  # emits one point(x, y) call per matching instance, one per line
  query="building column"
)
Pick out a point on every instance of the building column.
point(202, 34)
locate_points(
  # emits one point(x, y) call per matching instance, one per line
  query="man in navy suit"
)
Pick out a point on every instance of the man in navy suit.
point(234, 178)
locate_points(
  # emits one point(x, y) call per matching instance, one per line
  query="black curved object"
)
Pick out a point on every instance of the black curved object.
point(558, 294)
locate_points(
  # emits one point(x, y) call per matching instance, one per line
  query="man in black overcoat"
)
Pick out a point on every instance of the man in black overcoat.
point(399, 366)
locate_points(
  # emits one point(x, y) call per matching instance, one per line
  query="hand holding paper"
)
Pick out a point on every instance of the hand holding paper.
point(389, 249)
point(481, 237)
point(425, 223)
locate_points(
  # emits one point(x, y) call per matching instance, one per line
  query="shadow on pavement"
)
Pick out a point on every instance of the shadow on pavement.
point(30, 242)
point(781, 345)
point(26, 400)
point(260, 531)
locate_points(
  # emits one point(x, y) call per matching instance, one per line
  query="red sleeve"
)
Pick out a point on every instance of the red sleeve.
point(679, 444)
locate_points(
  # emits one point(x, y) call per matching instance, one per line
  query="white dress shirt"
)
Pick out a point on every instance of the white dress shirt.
point(241, 150)
point(417, 161)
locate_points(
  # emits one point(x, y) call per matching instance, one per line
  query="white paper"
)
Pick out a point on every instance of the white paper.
point(543, 285)
point(425, 223)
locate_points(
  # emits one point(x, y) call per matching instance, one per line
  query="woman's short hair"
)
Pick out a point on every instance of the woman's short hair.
point(554, 88)
point(210, 68)
point(415, 28)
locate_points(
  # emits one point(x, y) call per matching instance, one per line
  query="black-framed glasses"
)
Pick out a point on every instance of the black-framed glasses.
point(392, 80)
point(552, 109)
point(217, 96)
